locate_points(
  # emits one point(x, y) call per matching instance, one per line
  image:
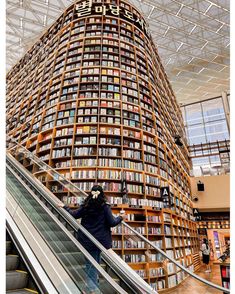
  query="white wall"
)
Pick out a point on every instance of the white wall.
point(216, 195)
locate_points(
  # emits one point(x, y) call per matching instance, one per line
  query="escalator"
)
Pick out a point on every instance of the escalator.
point(112, 263)
point(17, 274)
point(71, 255)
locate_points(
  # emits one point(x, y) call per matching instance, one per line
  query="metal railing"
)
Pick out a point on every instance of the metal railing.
point(78, 192)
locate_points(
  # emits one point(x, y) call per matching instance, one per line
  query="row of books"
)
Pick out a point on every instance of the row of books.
point(132, 165)
point(150, 149)
point(167, 230)
point(109, 174)
point(66, 163)
point(151, 168)
point(131, 123)
point(61, 142)
point(154, 218)
point(117, 244)
point(87, 119)
point(167, 217)
point(157, 243)
point(64, 152)
point(154, 231)
point(91, 140)
point(136, 202)
point(131, 144)
point(110, 162)
point(133, 244)
point(153, 191)
point(134, 258)
point(86, 130)
point(84, 162)
point(131, 154)
point(171, 268)
point(179, 253)
point(88, 111)
point(109, 151)
point(158, 285)
point(83, 174)
point(155, 257)
point(72, 200)
point(141, 273)
point(168, 242)
point(83, 151)
point(150, 158)
point(44, 147)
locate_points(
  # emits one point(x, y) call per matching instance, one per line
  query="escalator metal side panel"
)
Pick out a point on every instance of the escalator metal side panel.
point(58, 281)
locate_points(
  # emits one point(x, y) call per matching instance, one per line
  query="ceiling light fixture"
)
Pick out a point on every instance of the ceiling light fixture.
point(44, 20)
point(21, 22)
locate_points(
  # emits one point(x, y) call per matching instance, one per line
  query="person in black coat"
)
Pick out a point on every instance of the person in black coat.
point(96, 216)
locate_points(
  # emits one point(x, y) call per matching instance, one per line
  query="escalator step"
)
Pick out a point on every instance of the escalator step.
point(111, 273)
point(12, 262)
point(8, 247)
point(22, 291)
point(16, 280)
point(105, 288)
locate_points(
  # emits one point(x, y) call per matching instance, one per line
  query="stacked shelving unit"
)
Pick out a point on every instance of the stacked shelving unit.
point(91, 98)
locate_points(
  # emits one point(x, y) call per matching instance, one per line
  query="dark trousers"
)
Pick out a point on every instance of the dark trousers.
point(92, 271)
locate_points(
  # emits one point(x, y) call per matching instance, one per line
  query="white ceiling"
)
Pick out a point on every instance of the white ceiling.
point(192, 36)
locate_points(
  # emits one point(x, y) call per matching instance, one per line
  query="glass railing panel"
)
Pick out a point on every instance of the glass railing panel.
point(41, 168)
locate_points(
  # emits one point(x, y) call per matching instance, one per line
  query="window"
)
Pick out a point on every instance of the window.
point(205, 121)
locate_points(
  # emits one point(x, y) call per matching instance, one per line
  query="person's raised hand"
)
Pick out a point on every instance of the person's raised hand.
point(122, 213)
point(60, 204)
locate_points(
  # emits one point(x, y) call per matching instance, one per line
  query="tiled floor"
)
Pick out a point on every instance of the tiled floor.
point(192, 286)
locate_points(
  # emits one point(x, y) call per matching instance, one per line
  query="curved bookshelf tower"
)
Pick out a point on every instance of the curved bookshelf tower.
point(91, 98)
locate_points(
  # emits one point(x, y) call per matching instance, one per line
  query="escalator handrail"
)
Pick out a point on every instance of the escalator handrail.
point(81, 248)
point(32, 156)
point(53, 201)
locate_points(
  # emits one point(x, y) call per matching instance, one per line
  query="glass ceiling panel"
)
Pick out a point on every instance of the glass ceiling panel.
point(182, 30)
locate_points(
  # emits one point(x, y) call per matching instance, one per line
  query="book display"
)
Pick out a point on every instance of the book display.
point(224, 272)
point(217, 224)
point(91, 98)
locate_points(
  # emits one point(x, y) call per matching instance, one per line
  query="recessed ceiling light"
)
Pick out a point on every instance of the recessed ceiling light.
point(44, 20)
point(21, 22)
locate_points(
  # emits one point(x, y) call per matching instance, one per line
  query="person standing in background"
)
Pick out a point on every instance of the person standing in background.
point(206, 255)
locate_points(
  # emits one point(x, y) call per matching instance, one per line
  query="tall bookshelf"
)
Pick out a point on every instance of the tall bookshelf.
point(91, 98)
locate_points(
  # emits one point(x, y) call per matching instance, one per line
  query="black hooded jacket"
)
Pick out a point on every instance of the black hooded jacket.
point(98, 221)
